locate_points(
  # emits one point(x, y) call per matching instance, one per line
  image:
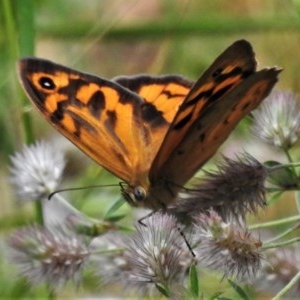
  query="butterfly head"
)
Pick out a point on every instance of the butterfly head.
point(135, 196)
point(149, 197)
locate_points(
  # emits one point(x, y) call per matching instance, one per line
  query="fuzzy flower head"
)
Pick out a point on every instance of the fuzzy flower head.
point(237, 187)
point(44, 256)
point(277, 122)
point(36, 170)
point(226, 247)
point(158, 252)
point(109, 258)
point(155, 255)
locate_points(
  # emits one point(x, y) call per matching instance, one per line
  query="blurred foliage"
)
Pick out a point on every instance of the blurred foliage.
point(114, 37)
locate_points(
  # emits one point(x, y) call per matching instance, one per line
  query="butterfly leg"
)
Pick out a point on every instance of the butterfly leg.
point(140, 221)
point(186, 241)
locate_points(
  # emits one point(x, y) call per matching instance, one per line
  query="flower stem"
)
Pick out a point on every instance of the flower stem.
point(293, 281)
point(282, 244)
point(283, 234)
point(291, 162)
point(275, 223)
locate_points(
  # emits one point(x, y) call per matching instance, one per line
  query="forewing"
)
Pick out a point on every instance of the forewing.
point(214, 125)
point(99, 116)
point(232, 67)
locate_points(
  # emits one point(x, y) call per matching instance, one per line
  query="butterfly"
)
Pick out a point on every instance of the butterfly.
point(154, 133)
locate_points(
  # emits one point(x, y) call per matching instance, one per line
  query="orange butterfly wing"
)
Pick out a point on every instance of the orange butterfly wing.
point(163, 95)
point(227, 71)
point(109, 121)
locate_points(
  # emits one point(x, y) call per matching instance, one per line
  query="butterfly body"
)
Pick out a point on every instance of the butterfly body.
point(154, 133)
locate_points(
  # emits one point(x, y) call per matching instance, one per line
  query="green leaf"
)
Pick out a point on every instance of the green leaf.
point(239, 290)
point(281, 175)
point(216, 296)
point(194, 283)
point(26, 26)
point(115, 207)
point(163, 290)
point(274, 197)
point(115, 219)
point(271, 163)
point(297, 197)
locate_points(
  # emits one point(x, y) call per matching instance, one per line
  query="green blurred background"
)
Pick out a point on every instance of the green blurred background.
point(115, 37)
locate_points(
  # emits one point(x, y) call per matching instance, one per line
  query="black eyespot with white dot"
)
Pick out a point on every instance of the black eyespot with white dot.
point(47, 83)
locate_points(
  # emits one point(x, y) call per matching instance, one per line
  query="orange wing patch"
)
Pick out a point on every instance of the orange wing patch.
point(162, 95)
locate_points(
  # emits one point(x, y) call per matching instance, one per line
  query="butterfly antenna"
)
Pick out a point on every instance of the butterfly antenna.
point(122, 185)
point(79, 188)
